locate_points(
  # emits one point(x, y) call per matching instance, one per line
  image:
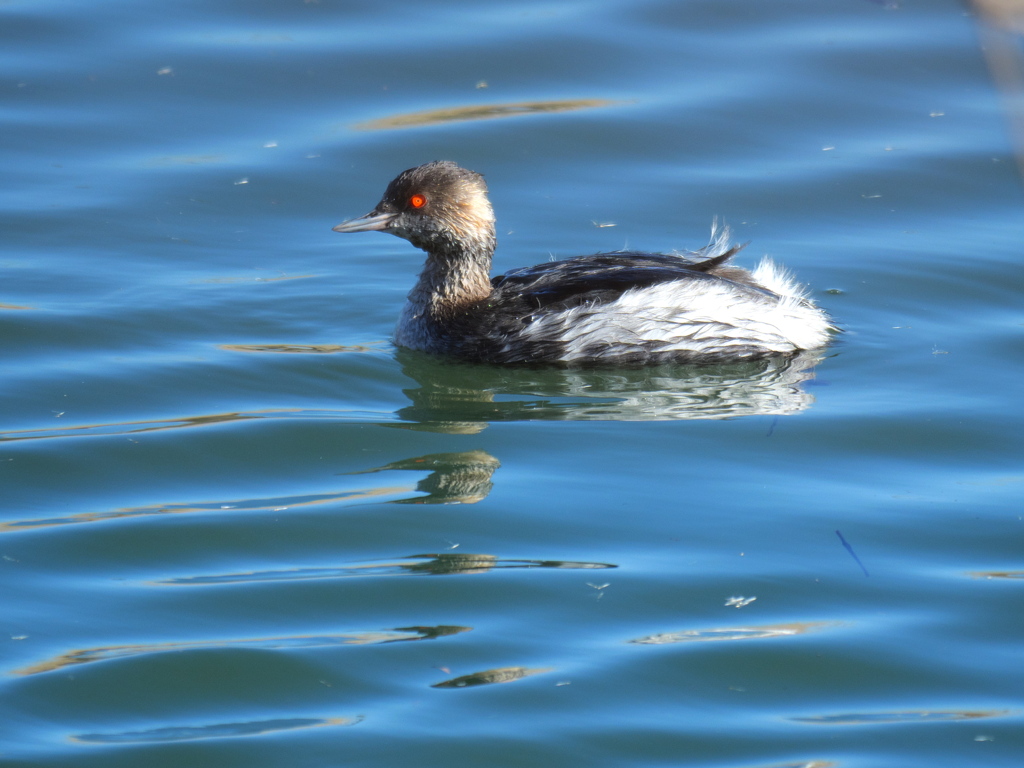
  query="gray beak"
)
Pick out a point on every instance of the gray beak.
point(374, 221)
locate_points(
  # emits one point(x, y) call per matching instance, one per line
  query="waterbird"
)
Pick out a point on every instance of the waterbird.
point(619, 308)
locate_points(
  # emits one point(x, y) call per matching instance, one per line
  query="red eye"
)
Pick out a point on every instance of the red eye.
point(417, 201)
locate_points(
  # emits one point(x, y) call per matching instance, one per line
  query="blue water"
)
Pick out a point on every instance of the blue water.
point(239, 528)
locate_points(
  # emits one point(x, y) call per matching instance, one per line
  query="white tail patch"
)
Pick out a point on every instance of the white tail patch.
point(778, 280)
point(696, 316)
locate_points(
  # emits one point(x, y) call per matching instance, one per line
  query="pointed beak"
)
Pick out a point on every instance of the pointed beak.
point(372, 222)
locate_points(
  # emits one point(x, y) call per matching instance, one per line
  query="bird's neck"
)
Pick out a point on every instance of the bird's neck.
point(456, 276)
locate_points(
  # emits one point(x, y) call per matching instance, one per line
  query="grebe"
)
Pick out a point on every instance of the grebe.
point(624, 307)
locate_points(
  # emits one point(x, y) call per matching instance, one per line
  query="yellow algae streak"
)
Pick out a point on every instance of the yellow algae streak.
point(479, 112)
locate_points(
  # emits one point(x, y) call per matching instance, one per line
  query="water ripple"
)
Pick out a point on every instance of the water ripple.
point(271, 504)
point(444, 564)
point(909, 716)
point(372, 637)
point(213, 730)
point(734, 633)
point(136, 427)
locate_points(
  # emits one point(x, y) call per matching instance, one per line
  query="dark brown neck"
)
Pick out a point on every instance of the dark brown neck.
point(456, 275)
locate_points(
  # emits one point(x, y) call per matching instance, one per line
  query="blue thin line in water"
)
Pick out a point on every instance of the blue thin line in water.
point(852, 553)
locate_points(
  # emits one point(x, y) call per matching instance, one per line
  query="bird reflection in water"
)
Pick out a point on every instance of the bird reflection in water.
point(455, 478)
point(440, 564)
point(461, 398)
point(448, 563)
point(488, 676)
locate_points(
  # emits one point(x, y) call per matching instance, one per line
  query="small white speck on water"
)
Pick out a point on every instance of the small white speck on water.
point(739, 602)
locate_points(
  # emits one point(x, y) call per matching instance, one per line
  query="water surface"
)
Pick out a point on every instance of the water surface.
point(241, 529)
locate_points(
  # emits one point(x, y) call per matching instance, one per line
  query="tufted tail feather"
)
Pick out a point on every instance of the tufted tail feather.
point(718, 250)
point(778, 280)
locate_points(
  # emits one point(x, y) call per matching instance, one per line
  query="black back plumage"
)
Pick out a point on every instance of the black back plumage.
point(600, 278)
point(482, 331)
